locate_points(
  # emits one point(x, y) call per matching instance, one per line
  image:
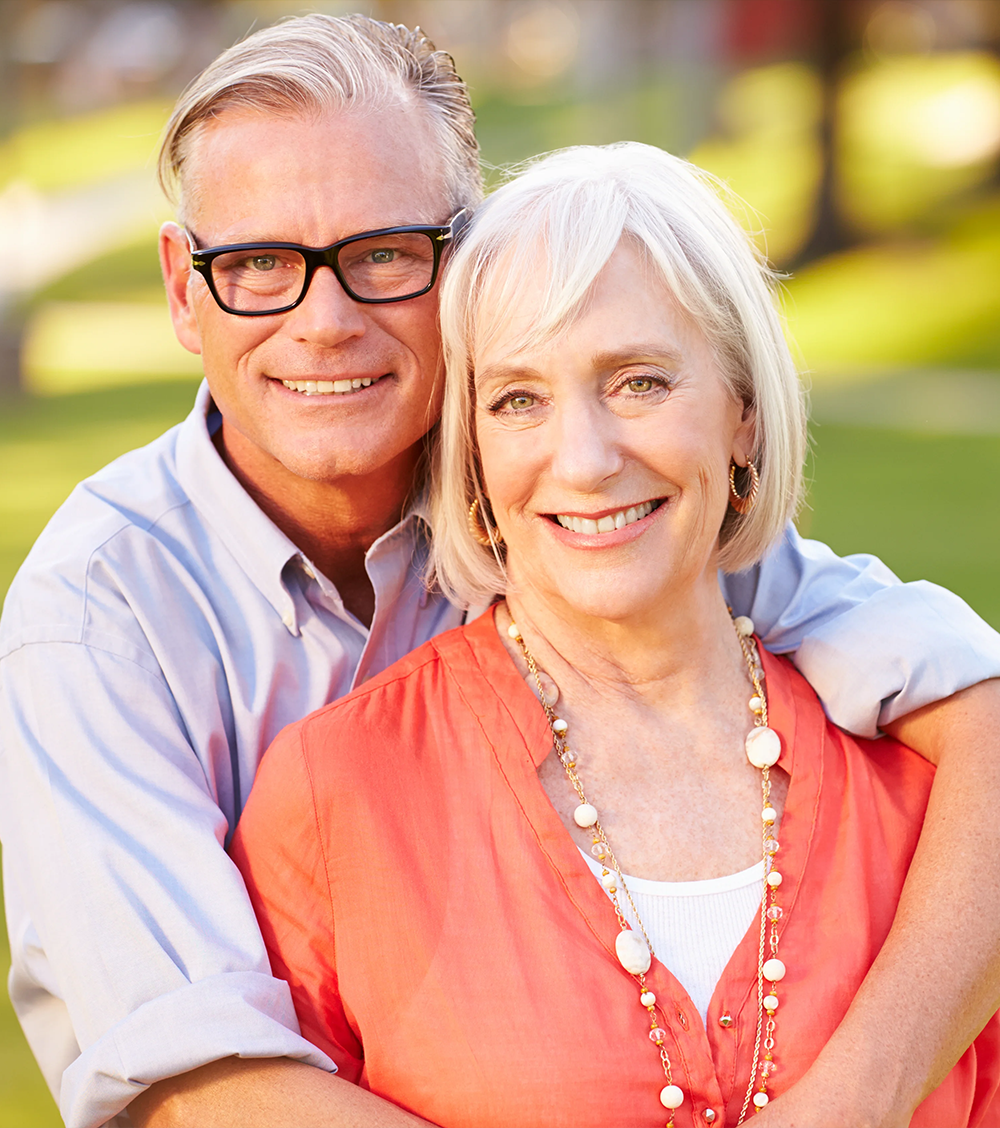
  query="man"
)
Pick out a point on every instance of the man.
point(194, 597)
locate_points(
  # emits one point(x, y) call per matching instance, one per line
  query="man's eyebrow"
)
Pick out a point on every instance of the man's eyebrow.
point(248, 238)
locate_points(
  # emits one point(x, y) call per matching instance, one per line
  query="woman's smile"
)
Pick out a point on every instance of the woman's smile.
point(607, 522)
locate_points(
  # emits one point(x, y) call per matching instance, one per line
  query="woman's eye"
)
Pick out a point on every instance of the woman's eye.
point(513, 403)
point(640, 384)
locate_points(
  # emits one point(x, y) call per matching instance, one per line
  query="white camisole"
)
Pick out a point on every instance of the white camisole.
point(695, 926)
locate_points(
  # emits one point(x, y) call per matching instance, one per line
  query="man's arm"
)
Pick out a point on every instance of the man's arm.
point(138, 918)
point(936, 981)
point(906, 657)
point(264, 1094)
point(872, 648)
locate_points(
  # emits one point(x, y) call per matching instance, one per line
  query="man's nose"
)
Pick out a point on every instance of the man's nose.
point(327, 315)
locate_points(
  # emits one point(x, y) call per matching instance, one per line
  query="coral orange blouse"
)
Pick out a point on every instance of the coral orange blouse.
point(448, 947)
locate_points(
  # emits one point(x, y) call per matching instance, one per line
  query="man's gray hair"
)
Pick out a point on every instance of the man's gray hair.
point(316, 63)
point(565, 215)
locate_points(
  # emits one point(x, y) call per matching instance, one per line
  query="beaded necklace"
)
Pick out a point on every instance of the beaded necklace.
point(763, 748)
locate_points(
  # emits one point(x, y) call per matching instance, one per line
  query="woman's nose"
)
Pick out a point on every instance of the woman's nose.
point(586, 448)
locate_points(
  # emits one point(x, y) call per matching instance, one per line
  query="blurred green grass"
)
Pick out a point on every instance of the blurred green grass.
point(84, 149)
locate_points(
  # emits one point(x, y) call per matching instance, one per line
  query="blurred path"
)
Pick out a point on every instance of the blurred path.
point(929, 401)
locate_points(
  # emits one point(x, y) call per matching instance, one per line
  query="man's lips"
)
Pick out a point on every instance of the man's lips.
point(331, 387)
point(607, 522)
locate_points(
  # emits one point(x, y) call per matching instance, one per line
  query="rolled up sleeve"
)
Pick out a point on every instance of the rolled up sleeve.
point(872, 647)
point(123, 895)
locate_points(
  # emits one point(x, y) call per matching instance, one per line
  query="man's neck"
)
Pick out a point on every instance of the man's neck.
point(333, 523)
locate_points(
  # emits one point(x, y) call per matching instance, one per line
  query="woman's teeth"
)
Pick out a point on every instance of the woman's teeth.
point(326, 387)
point(609, 523)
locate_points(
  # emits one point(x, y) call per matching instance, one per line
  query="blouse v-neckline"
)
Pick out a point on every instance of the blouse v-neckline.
point(504, 699)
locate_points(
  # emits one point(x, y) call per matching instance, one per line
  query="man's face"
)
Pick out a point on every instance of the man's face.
point(312, 180)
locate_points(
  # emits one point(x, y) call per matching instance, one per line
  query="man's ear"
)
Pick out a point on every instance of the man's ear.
point(175, 262)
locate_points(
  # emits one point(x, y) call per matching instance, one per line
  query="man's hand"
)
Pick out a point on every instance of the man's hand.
point(263, 1093)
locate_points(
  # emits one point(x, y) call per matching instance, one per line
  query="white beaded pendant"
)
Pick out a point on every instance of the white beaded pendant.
point(671, 1096)
point(585, 815)
point(774, 970)
point(632, 953)
point(763, 747)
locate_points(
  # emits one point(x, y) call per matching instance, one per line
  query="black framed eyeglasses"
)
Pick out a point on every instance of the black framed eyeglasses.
point(374, 267)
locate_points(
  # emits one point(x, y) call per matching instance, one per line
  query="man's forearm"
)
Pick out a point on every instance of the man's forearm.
point(936, 981)
point(263, 1093)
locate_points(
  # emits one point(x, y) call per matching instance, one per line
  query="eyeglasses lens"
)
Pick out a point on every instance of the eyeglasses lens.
point(392, 266)
point(388, 266)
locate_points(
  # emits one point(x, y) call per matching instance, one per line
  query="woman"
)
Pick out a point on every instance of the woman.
point(466, 899)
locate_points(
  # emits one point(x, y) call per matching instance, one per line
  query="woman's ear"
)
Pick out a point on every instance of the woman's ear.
point(175, 262)
point(745, 439)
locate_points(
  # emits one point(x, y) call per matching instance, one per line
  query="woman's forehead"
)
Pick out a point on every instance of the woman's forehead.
point(529, 296)
point(625, 313)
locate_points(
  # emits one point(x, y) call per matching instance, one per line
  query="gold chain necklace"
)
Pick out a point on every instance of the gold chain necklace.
point(763, 748)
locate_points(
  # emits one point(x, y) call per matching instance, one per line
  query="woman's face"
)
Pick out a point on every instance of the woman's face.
point(605, 451)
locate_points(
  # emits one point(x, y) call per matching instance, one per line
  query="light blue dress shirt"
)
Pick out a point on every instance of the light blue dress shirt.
point(160, 634)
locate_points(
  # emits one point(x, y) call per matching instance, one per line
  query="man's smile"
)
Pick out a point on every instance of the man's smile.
point(330, 387)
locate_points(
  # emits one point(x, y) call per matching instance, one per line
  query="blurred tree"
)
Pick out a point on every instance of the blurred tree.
point(11, 311)
point(837, 37)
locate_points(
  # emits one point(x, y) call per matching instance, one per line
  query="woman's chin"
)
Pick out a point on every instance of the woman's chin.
point(614, 598)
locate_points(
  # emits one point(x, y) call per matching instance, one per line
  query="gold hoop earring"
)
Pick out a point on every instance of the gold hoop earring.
point(480, 531)
point(743, 504)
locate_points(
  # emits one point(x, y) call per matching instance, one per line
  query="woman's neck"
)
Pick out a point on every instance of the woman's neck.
point(657, 713)
point(688, 641)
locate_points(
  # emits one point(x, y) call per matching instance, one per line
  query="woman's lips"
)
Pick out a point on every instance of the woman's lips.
point(609, 522)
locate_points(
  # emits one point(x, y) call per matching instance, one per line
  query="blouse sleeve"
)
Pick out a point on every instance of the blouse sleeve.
point(278, 847)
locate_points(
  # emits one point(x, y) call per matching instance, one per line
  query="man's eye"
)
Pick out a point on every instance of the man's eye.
point(263, 262)
point(383, 255)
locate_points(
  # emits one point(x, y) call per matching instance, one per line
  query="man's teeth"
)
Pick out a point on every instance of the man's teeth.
point(609, 523)
point(327, 387)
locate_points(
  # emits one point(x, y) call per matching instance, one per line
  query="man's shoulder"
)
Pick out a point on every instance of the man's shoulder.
point(112, 526)
point(430, 686)
point(423, 676)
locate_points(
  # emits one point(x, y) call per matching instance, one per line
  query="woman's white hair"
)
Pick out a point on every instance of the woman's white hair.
point(570, 210)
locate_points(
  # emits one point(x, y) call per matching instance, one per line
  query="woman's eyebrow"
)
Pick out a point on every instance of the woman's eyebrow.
point(629, 354)
point(504, 370)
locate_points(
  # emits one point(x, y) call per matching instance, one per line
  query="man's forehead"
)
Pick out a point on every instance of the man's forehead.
point(259, 173)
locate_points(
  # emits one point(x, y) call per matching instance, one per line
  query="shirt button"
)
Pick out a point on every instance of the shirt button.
point(709, 1115)
point(725, 1020)
point(288, 619)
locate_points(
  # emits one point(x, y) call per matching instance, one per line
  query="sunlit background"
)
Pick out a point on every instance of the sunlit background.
point(863, 136)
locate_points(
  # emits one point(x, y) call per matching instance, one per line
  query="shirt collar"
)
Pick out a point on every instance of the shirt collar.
point(261, 549)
